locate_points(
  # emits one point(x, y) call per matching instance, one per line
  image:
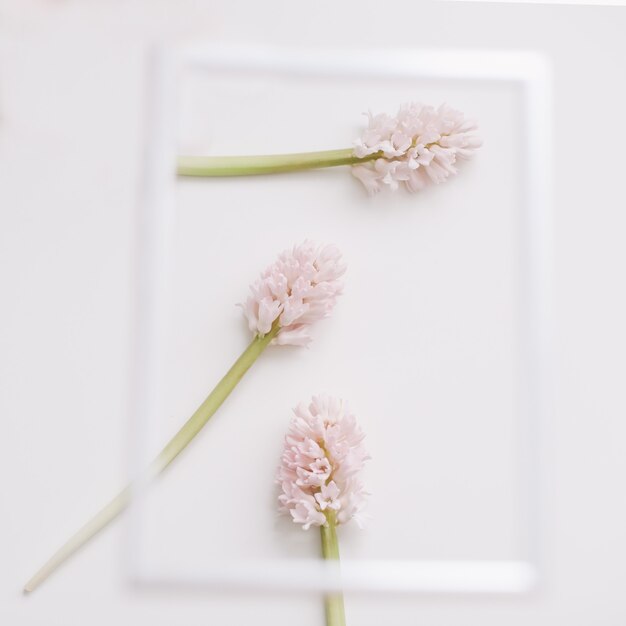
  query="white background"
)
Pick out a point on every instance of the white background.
point(72, 89)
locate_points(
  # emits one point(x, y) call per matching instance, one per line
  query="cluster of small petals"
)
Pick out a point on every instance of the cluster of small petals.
point(417, 147)
point(322, 457)
point(300, 288)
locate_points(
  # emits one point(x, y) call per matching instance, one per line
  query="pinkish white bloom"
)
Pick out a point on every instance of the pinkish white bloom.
point(322, 456)
point(419, 146)
point(299, 288)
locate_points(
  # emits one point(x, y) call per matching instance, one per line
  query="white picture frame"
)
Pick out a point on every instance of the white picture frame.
point(527, 70)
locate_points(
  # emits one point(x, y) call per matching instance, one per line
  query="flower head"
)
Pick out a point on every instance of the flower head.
point(299, 288)
point(419, 146)
point(322, 456)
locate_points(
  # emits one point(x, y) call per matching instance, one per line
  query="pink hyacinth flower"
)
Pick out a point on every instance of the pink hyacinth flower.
point(298, 289)
point(322, 457)
point(421, 145)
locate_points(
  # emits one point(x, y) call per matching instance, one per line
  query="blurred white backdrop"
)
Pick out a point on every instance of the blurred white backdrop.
point(72, 91)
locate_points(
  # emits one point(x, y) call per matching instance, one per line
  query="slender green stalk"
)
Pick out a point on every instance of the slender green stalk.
point(333, 602)
point(266, 164)
point(188, 431)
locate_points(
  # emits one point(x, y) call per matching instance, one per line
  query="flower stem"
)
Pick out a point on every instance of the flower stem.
point(266, 164)
point(333, 603)
point(180, 440)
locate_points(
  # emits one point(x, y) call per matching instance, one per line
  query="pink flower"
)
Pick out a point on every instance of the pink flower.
point(419, 146)
point(322, 456)
point(299, 288)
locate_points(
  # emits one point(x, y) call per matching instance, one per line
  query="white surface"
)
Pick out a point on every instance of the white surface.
point(71, 101)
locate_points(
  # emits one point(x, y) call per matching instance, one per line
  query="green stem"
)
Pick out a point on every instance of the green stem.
point(180, 440)
point(266, 164)
point(333, 602)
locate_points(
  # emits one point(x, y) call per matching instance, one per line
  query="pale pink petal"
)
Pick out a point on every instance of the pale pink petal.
point(366, 173)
